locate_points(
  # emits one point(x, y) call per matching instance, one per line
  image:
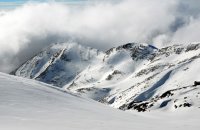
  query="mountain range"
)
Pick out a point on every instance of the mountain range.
point(133, 76)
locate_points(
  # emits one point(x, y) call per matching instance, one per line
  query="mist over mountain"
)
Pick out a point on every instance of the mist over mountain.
point(101, 24)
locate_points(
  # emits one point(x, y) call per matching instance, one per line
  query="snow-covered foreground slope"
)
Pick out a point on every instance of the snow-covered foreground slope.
point(133, 76)
point(30, 105)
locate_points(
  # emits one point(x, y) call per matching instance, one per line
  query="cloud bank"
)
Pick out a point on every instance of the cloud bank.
point(24, 31)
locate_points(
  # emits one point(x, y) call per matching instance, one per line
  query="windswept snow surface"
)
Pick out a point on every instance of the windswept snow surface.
point(30, 105)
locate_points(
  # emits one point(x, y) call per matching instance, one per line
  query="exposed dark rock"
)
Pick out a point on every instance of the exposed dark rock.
point(135, 105)
point(110, 76)
point(187, 104)
point(192, 47)
point(108, 52)
point(196, 83)
point(148, 70)
point(166, 94)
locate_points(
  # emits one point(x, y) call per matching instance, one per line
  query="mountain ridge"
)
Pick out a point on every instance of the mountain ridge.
point(130, 76)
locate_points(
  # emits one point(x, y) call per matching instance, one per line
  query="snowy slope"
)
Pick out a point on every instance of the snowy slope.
point(170, 70)
point(132, 76)
point(59, 63)
point(30, 105)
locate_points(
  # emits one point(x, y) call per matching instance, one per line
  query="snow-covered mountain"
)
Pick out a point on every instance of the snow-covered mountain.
point(134, 76)
point(59, 63)
point(31, 105)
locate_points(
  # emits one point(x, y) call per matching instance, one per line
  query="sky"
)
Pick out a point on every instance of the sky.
point(28, 27)
point(12, 4)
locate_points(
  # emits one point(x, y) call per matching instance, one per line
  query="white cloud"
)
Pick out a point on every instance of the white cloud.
point(27, 29)
point(188, 33)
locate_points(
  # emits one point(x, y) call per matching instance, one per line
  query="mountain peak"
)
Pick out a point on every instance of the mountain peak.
point(131, 76)
point(59, 63)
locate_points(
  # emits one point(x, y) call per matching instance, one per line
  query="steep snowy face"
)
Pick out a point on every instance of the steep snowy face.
point(118, 63)
point(142, 77)
point(134, 76)
point(59, 63)
point(165, 82)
